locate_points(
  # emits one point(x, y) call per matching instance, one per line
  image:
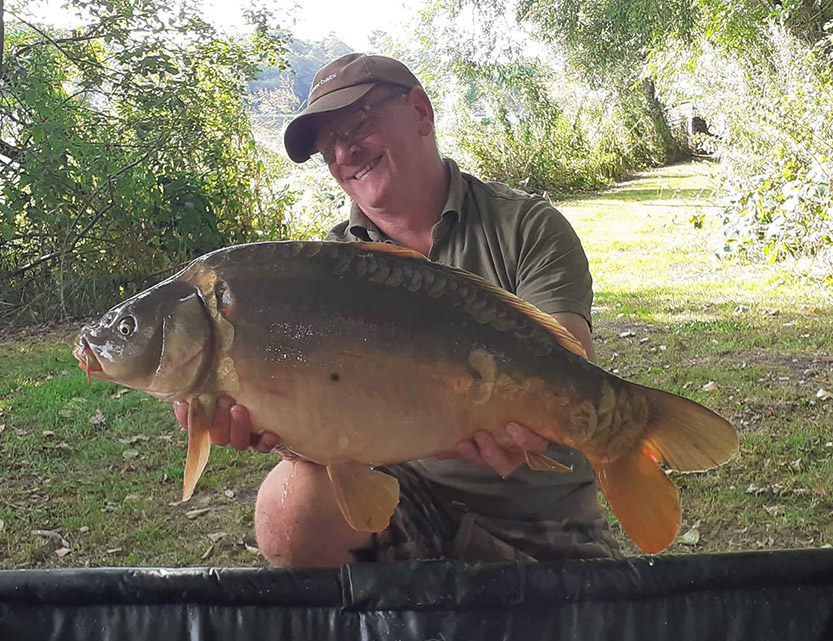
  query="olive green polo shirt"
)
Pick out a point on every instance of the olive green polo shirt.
point(526, 246)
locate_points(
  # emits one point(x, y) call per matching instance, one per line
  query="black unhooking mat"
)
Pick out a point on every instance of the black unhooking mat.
point(784, 595)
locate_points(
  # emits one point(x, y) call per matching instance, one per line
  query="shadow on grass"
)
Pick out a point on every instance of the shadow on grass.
point(653, 194)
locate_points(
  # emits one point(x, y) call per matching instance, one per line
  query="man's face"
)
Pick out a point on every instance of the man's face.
point(369, 152)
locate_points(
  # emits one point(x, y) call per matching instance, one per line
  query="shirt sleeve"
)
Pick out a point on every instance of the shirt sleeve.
point(553, 272)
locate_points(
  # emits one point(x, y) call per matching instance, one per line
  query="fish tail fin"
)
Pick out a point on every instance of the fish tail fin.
point(200, 418)
point(686, 436)
point(643, 498)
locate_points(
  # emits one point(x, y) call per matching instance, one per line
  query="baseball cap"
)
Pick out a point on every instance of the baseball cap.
point(339, 84)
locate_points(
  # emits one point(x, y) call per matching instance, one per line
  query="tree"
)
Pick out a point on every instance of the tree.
point(125, 149)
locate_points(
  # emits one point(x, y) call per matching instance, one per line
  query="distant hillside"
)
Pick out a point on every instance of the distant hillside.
point(305, 59)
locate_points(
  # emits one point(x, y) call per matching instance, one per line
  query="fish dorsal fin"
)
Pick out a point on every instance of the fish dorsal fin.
point(561, 333)
point(390, 249)
point(366, 498)
point(200, 418)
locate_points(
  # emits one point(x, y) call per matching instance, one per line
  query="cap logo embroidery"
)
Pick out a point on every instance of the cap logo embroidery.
point(323, 81)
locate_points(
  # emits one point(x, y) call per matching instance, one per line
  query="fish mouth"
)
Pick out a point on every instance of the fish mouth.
point(86, 358)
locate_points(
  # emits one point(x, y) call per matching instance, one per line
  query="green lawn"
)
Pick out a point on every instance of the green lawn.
point(99, 469)
point(752, 341)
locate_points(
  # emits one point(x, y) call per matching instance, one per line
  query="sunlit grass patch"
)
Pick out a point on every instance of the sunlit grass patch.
point(752, 341)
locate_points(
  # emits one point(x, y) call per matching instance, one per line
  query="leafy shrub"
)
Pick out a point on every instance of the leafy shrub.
point(772, 110)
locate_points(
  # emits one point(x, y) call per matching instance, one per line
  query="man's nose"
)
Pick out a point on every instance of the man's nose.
point(344, 149)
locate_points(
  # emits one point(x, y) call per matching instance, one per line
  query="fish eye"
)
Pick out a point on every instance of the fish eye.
point(127, 326)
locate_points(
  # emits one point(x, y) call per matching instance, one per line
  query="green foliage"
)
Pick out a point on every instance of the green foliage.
point(520, 116)
point(772, 111)
point(759, 72)
point(125, 149)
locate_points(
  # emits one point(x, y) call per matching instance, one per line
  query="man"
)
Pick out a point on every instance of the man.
point(372, 123)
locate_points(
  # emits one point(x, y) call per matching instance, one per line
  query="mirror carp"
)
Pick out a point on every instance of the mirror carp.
point(363, 354)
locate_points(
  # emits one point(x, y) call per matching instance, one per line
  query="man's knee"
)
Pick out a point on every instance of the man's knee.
point(297, 520)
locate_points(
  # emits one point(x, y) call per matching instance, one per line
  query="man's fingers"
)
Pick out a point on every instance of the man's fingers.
point(495, 456)
point(526, 439)
point(181, 413)
point(240, 427)
point(220, 425)
point(266, 442)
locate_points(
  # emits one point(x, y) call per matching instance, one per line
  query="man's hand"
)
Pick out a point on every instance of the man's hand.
point(232, 426)
point(483, 450)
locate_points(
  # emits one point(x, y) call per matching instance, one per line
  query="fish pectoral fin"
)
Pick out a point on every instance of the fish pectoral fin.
point(200, 418)
point(366, 497)
point(544, 463)
point(643, 498)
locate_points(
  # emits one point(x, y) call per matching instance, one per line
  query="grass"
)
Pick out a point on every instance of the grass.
point(102, 468)
point(751, 341)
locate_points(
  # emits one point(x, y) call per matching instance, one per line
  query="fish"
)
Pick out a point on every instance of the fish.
point(359, 355)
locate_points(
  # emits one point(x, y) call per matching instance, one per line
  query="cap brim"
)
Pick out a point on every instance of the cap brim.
point(300, 134)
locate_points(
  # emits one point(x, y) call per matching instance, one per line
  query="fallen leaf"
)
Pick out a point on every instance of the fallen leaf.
point(253, 550)
point(692, 537)
point(131, 498)
point(229, 493)
point(114, 550)
point(130, 453)
point(47, 433)
point(627, 334)
point(772, 509)
point(216, 536)
point(62, 552)
point(824, 395)
point(119, 393)
point(2, 427)
point(711, 386)
point(97, 418)
point(207, 553)
point(193, 514)
point(52, 534)
point(83, 529)
point(133, 439)
point(2, 525)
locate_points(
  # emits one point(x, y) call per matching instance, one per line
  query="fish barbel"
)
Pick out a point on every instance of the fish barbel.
point(363, 354)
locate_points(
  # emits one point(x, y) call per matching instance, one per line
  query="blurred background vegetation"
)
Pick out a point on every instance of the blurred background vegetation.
point(145, 137)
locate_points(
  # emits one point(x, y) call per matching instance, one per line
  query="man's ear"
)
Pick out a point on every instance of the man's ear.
point(425, 111)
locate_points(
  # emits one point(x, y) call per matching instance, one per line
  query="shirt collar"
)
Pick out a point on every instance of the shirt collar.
point(362, 227)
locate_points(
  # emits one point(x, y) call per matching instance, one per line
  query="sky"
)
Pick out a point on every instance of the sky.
point(313, 19)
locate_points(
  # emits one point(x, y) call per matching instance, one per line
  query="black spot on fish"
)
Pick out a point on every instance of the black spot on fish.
point(334, 377)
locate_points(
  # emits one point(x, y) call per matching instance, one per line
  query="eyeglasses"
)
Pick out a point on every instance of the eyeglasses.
point(357, 126)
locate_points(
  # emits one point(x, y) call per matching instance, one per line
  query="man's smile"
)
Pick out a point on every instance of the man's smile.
point(367, 168)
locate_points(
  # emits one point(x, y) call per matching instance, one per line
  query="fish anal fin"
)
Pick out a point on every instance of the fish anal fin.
point(544, 463)
point(643, 498)
point(366, 497)
point(200, 418)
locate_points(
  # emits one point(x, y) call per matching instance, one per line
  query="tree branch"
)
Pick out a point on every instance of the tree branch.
point(67, 249)
point(9, 150)
point(2, 34)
